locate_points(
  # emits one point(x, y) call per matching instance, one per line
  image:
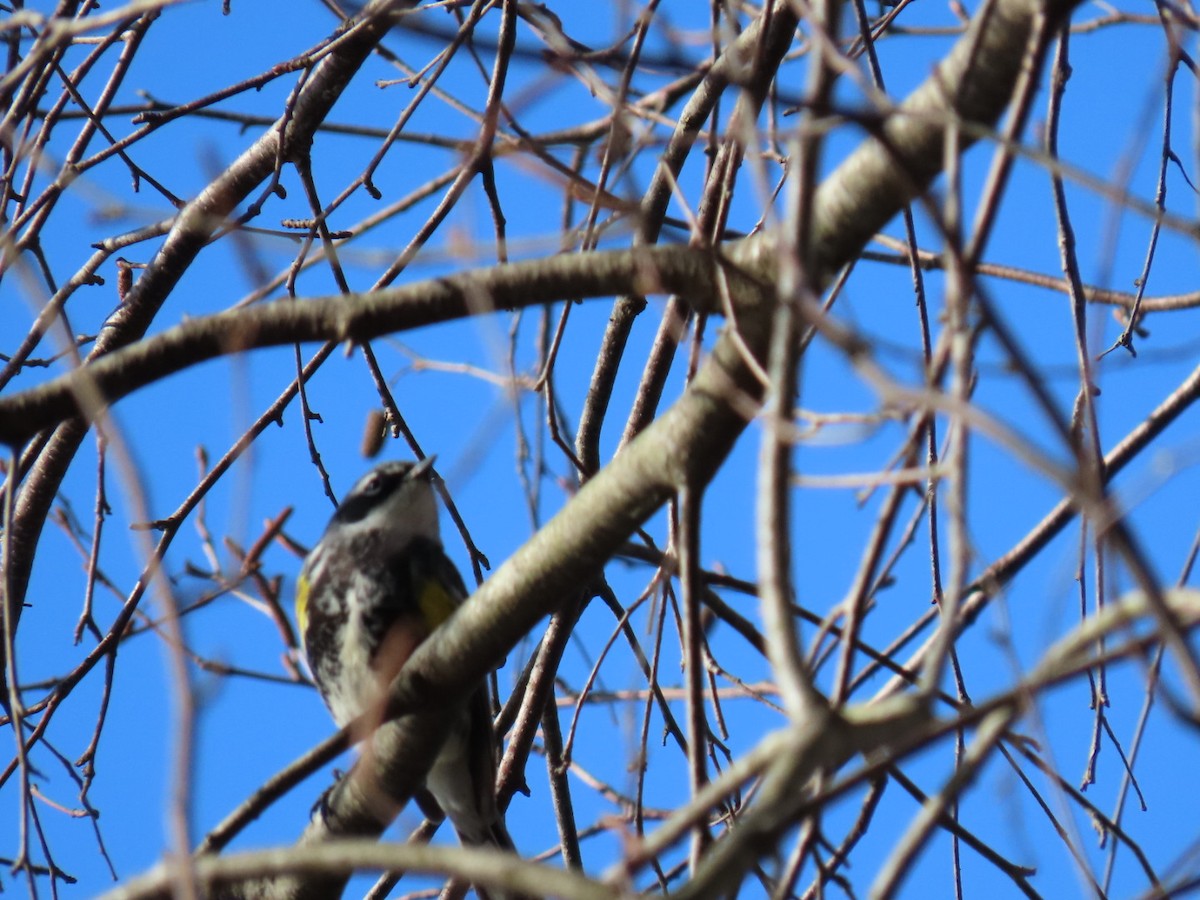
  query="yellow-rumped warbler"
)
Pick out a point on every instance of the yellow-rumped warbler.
point(376, 585)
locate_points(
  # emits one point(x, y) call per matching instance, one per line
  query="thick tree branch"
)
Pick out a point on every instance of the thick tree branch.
point(355, 317)
point(486, 867)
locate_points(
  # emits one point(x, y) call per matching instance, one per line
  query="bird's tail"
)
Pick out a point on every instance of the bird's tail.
point(496, 836)
point(499, 838)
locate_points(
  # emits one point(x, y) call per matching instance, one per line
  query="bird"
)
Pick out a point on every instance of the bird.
point(376, 585)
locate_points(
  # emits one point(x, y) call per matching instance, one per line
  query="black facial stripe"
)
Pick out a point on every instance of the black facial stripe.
point(359, 503)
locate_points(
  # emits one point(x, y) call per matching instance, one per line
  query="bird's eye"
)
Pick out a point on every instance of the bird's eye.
point(371, 488)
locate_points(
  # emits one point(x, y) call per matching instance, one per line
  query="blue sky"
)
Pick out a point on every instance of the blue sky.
point(249, 728)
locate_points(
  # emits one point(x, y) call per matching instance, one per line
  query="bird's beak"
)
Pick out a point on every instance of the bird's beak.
point(423, 468)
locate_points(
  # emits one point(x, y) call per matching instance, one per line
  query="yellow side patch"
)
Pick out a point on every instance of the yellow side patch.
point(435, 601)
point(302, 605)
